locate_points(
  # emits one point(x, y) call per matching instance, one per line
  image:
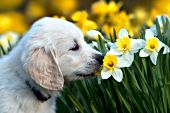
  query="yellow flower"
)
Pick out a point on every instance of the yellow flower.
point(113, 7)
point(64, 7)
point(12, 21)
point(117, 21)
point(152, 44)
point(5, 23)
point(110, 62)
point(160, 7)
point(79, 16)
point(108, 29)
point(87, 25)
point(99, 8)
point(124, 43)
point(82, 21)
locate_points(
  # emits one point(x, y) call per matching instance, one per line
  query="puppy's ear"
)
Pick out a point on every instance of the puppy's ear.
point(43, 69)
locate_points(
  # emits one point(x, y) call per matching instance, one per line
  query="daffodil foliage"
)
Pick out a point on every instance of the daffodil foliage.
point(134, 77)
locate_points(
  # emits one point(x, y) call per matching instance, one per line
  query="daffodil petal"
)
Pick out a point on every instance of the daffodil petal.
point(160, 46)
point(125, 60)
point(137, 44)
point(115, 51)
point(144, 53)
point(117, 75)
point(129, 60)
point(113, 45)
point(153, 57)
point(166, 49)
point(149, 34)
point(95, 44)
point(105, 74)
point(153, 29)
point(123, 33)
point(110, 44)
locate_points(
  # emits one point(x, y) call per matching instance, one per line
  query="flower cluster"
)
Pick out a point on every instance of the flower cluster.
point(121, 53)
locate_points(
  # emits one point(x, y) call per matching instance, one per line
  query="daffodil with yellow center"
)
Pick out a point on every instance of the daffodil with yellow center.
point(152, 47)
point(126, 47)
point(152, 44)
point(111, 67)
point(110, 62)
point(124, 44)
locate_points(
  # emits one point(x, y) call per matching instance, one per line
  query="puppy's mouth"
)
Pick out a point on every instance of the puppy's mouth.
point(85, 75)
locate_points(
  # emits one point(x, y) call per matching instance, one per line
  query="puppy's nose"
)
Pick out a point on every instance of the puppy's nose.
point(99, 58)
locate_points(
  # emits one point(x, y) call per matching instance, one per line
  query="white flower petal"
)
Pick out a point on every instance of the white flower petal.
point(115, 51)
point(153, 57)
point(144, 53)
point(117, 75)
point(130, 60)
point(148, 34)
point(95, 44)
point(160, 46)
point(113, 45)
point(153, 29)
point(125, 60)
point(123, 33)
point(137, 44)
point(105, 74)
point(110, 43)
point(166, 49)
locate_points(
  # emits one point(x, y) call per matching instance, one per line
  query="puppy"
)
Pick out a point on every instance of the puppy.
point(51, 53)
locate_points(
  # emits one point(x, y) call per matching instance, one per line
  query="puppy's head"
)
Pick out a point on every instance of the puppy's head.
point(54, 51)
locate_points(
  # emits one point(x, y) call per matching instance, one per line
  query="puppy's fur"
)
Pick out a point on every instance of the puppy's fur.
point(52, 52)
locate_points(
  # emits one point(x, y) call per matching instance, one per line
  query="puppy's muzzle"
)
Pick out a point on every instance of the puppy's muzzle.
point(99, 58)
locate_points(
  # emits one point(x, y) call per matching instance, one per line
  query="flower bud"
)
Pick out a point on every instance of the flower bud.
point(93, 35)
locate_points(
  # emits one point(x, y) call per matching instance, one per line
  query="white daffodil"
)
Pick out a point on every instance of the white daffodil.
point(93, 35)
point(126, 47)
point(111, 67)
point(152, 46)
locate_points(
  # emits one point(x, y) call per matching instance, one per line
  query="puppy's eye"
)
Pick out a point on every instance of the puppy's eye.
point(75, 48)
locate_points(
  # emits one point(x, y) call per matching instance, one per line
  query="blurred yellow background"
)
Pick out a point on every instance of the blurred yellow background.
point(106, 15)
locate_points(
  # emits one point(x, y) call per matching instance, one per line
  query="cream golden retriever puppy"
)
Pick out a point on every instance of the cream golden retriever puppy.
point(52, 52)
